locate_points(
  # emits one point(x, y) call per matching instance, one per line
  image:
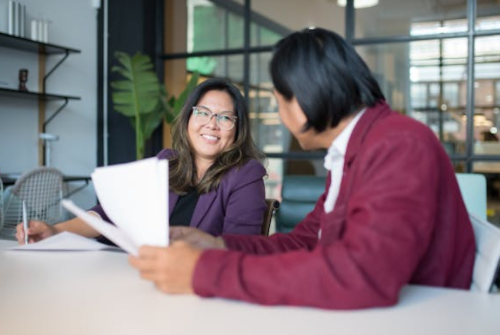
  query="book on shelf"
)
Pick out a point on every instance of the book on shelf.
point(16, 19)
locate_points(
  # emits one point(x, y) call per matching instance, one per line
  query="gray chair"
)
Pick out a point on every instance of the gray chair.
point(1, 204)
point(42, 190)
point(298, 197)
point(473, 189)
point(486, 264)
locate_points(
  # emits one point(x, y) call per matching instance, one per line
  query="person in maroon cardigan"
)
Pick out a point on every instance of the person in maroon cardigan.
point(391, 214)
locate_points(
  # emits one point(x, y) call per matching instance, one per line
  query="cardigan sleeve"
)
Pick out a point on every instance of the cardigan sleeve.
point(304, 236)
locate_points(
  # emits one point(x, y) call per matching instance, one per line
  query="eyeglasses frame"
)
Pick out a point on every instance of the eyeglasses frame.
point(212, 114)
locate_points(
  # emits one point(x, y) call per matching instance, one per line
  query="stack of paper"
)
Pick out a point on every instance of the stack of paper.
point(135, 197)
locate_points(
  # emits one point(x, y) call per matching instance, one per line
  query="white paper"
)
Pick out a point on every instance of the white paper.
point(135, 198)
point(65, 241)
point(111, 232)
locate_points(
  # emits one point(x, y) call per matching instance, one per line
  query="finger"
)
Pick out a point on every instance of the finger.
point(133, 261)
point(147, 251)
point(36, 227)
point(163, 287)
point(151, 276)
point(175, 232)
point(20, 233)
point(180, 244)
point(141, 264)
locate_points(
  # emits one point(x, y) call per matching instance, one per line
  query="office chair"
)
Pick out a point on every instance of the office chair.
point(1, 204)
point(298, 197)
point(487, 255)
point(473, 190)
point(41, 189)
point(272, 206)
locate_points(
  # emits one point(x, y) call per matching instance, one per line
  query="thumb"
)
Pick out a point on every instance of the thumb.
point(35, 227)
point(180, 244)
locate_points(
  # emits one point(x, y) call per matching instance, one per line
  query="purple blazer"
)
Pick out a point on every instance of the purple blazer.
point(237, 206)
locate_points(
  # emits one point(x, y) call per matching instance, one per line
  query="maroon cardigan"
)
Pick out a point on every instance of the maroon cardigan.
point(399, 219)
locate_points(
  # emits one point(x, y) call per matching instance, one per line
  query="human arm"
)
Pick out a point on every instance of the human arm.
point(170, 269)
point(196, 238)
point(39, 230)
point(370, 246)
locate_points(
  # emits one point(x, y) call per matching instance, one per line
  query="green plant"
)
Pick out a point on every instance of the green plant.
point(140, 96)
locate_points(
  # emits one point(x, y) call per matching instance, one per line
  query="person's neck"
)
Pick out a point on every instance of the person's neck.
point(326, 138)
point(202, 165)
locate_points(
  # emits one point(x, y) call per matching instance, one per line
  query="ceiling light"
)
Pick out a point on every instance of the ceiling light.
point(359, 3)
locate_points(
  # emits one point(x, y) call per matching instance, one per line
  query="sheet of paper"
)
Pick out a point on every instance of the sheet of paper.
point(135, 197)
point(65, 241)
point(114, 234)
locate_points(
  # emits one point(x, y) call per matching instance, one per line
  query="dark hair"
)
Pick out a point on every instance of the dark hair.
point(325, 74)
point(183, 174)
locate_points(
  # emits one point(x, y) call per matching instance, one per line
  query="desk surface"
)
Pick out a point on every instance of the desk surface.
point(99, 293)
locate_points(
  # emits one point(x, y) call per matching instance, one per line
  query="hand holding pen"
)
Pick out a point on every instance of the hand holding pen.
point(30, 231)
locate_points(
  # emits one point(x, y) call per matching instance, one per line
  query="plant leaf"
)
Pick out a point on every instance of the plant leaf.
point(138, 92)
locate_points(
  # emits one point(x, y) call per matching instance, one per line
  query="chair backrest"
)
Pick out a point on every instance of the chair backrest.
point(487, 236)
point(487, 258)
point(473, 189)
point(41, 189)
point(272, 206)
point(1, 204)
point(299, 195)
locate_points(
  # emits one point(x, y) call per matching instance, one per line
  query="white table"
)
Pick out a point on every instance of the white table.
point(99, 293)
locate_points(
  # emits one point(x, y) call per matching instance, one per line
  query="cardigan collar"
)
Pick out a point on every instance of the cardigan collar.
point(371, 116)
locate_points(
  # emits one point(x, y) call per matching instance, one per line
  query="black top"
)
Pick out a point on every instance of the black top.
point(181, 215)
point(184, 209)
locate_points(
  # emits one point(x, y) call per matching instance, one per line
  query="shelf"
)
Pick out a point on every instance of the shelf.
point(43, 50)
point(41, 96)
point(26, 44)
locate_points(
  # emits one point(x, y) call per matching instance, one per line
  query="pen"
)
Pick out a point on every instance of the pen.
point(25, 223)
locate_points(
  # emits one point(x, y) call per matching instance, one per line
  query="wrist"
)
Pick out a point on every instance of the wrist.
point(220, 243)
point(57, 228)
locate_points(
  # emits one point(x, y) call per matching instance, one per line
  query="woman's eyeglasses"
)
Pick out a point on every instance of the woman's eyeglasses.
point(203, 115)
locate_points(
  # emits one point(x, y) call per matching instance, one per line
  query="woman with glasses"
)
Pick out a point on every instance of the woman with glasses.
point(215, 178)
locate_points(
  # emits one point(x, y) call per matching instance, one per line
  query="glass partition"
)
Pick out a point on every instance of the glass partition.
point(397, 18)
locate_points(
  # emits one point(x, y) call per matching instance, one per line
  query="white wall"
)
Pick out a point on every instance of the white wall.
point(73, 24)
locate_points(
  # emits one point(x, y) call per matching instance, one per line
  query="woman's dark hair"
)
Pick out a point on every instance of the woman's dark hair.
point(183, 174)
point(325, 74)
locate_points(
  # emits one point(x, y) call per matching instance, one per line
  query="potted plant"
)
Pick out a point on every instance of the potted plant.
point(140, 96)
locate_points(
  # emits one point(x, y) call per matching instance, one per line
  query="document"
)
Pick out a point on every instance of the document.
point(65, 241)
point(135, 197)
